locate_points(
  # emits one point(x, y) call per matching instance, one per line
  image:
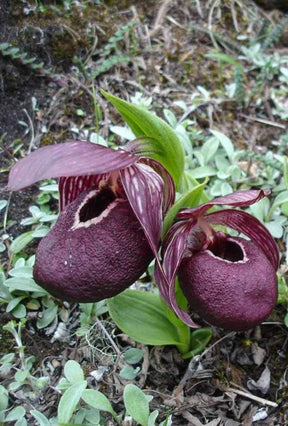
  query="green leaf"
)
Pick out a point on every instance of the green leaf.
point(21, 375)
point(4, 46)
point(3, 204)
point(152, 418)
point(129, 373)
point(225, 142)
point(15, 414)
point(133, 356)
point(165, 147)
point(189, 199)
point(21, 422)
point(280, 199)
point(282, 290)
point(225, 58)
point(203, 172)
point(69, 401)
point(136, 404)
point(13, 303)
point(19, 311)
point(20, 242)
point(43, 421)
point(142, 316)
point(93, 416)
point(4, 398)
point(284, 208)
point(98, 400)
point(275, 228)
point(209, 149)
point(73, 372)
point(24, 284)
point(47, 316)
point(199, 340)
point(41, 232)
point(24, 272)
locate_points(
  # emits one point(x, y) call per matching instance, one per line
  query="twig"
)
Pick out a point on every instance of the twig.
point(105, 332)
point(216, 343)
point(199, 10)
point(210, 17)
point(31, 130)
point(6, 213)
point(261, 120)
point(251, 396)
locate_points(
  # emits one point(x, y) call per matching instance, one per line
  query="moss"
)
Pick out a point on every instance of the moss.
point(7, 341)
point(65, 47)
point(47, 139)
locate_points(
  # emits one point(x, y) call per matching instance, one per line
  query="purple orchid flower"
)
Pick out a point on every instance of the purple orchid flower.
point(229, 281)
point(112, 205)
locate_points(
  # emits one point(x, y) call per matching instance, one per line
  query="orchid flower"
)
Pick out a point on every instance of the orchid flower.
point(229, 281)
point(112, 204)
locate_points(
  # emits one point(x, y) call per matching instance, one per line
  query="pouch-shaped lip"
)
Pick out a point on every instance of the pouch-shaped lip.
point(90, 263)
point(235, 295)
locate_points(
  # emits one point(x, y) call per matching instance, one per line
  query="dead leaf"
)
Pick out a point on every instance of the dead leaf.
point(263, 383)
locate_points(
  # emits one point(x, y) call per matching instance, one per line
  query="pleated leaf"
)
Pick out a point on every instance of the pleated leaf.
point(164, 147)
point(142, 316)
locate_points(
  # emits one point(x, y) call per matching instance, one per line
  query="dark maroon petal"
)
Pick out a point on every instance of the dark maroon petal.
point(169, 187)
point(67, 159)
point(71, 187)
point(172, 256)
point(247, 224)
point(144, 190)
point(236, 199)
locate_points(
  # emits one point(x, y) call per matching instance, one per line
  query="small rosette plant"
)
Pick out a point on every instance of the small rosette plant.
point(112, 204)
point(229, 281)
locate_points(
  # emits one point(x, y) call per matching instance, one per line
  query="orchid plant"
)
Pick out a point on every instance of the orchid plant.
point(229, 281)
point(116, 205)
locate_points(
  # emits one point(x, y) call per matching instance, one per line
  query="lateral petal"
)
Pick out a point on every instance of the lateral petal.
point(236, 199)
point(175, 246)
point(144, 190)
point(169, 187)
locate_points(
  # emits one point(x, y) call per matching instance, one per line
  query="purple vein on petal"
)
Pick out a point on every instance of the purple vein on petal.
point(67, 159)
point(144, 190)
point(236, 199)
point(169, 187)
point(71, 187)
point(175, 246)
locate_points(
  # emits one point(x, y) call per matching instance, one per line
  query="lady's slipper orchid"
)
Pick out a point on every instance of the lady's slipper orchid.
point(112, 205)
point(229, 281)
